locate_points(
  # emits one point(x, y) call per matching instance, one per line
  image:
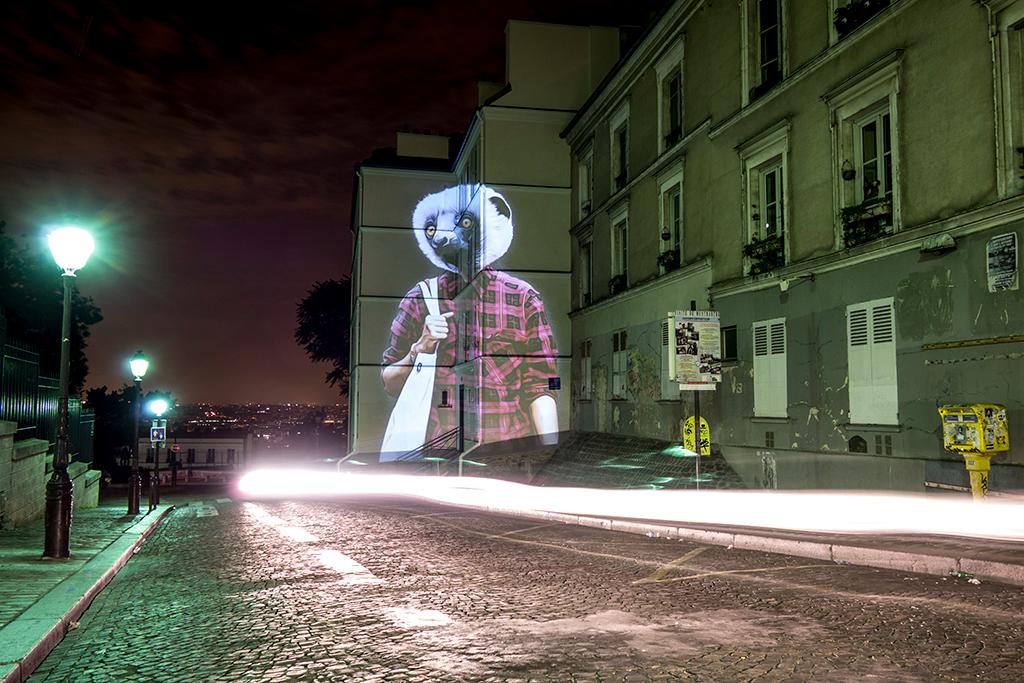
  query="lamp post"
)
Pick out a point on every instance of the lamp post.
point(71, 248)
point(158, 406)
point(139, 364)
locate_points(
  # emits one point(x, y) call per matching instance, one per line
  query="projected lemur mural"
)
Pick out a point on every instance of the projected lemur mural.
point(463, 231)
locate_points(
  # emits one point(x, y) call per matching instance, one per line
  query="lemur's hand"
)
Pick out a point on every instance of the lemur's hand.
point(435, 328)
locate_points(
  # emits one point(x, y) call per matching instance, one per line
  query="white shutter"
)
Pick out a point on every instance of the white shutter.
point(770, 385)
point(871, 352)
point(883, 362)
point(669, 387)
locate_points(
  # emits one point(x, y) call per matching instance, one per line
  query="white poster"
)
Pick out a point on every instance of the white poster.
point(1001, 262)
point(698, 349)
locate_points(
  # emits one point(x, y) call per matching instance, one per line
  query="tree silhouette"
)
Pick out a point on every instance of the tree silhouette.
point(30, 300)
point(323, 319)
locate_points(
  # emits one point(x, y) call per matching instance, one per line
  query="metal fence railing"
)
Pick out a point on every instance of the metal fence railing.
point(30, 400)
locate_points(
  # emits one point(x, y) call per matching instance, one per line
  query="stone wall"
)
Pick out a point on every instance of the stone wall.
point(26, 484)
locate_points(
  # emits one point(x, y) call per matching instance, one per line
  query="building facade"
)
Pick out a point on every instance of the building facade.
point(512, 154)
point(843, 182)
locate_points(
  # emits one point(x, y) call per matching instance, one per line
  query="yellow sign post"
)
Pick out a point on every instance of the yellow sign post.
point(689, 440)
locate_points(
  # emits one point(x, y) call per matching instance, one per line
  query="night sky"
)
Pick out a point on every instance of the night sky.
point(211, 151)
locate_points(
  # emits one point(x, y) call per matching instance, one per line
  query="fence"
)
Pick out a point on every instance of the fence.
point(30, 400)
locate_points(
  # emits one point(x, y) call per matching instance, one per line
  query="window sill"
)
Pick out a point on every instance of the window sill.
point(854, 426)
point(770, 420)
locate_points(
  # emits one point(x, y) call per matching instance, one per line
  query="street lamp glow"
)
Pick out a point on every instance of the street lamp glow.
point(139, 365)
point(158, 406)
point(71, 247)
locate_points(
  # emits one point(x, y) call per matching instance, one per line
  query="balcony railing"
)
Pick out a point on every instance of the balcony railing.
point(765, 254)
point(867, 221)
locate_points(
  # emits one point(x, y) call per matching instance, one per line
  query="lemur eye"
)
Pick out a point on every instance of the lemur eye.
point(466, 222)
point(431, 229)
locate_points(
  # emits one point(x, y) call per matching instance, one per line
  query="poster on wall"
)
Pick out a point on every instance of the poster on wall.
point(472, 315)
point(698, 350)
point(1001, 263)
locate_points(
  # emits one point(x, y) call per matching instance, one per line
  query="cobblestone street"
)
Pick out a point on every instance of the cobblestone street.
point(387, 589)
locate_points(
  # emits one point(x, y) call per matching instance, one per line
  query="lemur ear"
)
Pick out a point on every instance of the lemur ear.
point(500, 205)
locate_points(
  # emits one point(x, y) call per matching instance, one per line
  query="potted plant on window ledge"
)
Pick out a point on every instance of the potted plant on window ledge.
point(867, 221)
point(855, 13)
point(765, 254)
point(617, 284)
point(669, 259)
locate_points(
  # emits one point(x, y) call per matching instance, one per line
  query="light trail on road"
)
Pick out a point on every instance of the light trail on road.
point(814, 511)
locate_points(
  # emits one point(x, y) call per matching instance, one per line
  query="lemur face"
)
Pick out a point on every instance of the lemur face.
point(451, 223)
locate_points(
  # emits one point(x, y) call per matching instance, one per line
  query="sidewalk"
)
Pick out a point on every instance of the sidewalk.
point(40, 599)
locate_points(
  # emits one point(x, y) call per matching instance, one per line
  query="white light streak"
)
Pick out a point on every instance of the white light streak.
point(816, 511)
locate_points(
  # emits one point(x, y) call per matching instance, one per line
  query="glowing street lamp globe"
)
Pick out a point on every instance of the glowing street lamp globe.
point(139, 364)
point(71, 247)
point(158, 406)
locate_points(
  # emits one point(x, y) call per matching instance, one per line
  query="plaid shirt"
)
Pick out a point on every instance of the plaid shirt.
point(519, 352)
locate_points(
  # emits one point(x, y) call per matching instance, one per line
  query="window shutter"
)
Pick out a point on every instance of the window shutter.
point(669, 387)
point(883, 362)
point(779, 401)
point(871, 351)
point(770, 385)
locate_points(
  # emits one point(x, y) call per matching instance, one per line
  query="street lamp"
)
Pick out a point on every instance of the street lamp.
point(157, 406)
point(71, 248)
point(139, 364)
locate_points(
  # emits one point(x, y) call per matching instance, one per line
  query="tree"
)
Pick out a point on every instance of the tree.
point(323, 319)
point(30, 298)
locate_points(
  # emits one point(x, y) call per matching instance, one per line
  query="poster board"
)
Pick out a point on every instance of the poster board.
point(698, 349)
point(1001, 263)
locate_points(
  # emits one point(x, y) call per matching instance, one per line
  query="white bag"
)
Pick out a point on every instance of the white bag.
point(407, 428)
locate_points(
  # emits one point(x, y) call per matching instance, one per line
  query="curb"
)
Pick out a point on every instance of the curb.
point(46, 622)
point(918, 563)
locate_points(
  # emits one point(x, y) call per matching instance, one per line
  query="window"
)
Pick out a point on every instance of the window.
point(231, 455)
point(764, 46)
point(471, 171)
point(770, 386)
point(671, 221)
point(619, 365)
point(211, 455)
point(766, 188)
point(669, 70)
point(873, 151)
point(585, 371)
point(729, 343)
point(620, 252)
point(619, 128)
point(1008, 41)
point(586, 270)
point(871, 358)
point(190, 456)
point(865, 139)
point(585, 178)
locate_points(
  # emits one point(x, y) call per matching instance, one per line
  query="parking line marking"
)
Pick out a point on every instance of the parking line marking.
point(658, 574)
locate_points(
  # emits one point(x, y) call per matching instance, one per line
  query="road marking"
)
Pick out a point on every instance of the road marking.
point(658, 574)
point(223, 500)
point(529, 528)
point(294, 533)
point(207, 512)
point(734, 571)
point(419, 618)
point(343, 564)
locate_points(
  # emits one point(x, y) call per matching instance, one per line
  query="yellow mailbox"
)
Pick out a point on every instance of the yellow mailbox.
point(977, 431)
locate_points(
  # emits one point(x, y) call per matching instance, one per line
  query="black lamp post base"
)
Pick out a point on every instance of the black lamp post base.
point(59, 503)
point(134, 493)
